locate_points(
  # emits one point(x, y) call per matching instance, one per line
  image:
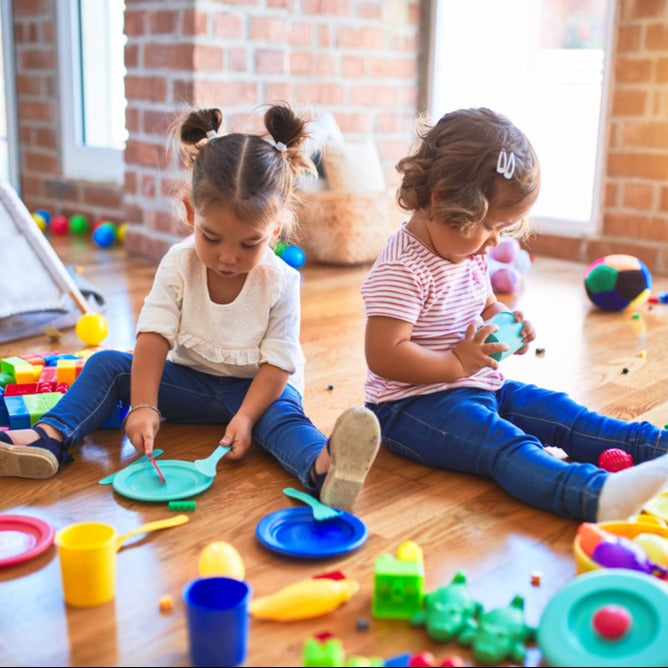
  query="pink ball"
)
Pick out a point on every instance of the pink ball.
point(614, 459)
point(59, 225)
point(506, 280)
point(506, 251)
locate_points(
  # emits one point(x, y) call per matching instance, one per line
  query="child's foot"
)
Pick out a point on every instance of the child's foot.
point(626, 492)
point(39, 459)
point(353, 446)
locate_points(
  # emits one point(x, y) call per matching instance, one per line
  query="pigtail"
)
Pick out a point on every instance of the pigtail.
point(195, 127)
point(288, 130)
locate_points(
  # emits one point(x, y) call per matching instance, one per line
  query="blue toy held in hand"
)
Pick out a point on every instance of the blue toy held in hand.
point(509, 332)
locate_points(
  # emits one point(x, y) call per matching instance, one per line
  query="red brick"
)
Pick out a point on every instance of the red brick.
point(633, 70)
point(638, 196)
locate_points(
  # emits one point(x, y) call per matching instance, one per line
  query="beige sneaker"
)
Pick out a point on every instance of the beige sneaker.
point(26, 461)
point(353, 446)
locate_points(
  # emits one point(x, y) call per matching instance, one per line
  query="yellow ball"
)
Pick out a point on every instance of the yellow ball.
point(120, 232)
point(221, 558)
point(39, 219)
point(92, 328)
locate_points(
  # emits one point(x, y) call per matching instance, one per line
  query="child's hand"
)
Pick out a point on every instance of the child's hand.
point(141, 427)
point(473, 353)
point(238, 436)
point(528, 333)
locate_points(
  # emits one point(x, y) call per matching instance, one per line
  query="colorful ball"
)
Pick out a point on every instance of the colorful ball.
point(39, 221)
point(78, 224)
point(104, 235)
point(92, 328)
point(294, 256)
point(616, 282)
point(120, 232)
point(615, 459)
point(59, 225)
point(45, 214)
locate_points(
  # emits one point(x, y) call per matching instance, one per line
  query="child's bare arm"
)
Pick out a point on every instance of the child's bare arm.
point(391, 354)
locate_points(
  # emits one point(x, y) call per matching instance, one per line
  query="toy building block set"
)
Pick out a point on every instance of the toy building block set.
point(31, 385)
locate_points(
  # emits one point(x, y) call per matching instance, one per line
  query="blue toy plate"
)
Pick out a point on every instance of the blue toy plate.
point(294, 532)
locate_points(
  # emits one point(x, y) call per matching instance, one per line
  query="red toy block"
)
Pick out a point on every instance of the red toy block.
point(18, 389)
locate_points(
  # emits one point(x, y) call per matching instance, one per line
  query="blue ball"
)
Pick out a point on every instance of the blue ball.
point(294, 256)
point(105, 235)
point(45, 214)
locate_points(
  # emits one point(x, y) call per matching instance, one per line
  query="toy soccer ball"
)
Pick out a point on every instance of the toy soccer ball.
point(616, 282)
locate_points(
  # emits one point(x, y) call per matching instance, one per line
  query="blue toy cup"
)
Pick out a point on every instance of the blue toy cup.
point(218, 620)
point(508, 333)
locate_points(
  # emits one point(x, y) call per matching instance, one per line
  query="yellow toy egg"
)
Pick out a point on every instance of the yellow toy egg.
point(92, 328)
point(120, 232)
point(221, 558)
point(655, 546)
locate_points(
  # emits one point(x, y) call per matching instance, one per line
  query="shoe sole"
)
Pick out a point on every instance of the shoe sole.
point(353, 448)
point(25, 461)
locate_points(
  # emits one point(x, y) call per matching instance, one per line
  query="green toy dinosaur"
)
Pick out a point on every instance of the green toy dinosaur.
point(447, 610)
point(499, 634)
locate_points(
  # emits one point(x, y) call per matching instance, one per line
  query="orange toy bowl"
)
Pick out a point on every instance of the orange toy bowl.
point(584, 563)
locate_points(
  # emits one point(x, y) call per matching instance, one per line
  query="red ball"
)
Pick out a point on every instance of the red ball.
point(59, 225)
point(614, 459)
point(611, 621)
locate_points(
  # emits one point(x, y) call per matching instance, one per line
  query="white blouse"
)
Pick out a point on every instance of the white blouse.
point(261, 326)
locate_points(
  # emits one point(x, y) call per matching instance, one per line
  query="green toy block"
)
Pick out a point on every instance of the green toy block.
point(38, 404)
point(328, 652)
point(397, 587)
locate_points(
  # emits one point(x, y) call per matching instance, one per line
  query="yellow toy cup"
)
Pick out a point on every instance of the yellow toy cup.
point(87, 552)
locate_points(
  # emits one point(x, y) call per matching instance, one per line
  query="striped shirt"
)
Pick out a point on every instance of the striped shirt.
point(439, 299)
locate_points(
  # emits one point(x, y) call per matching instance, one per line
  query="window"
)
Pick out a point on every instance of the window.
point(542, 63)
point(9, 159)
point(92, 70)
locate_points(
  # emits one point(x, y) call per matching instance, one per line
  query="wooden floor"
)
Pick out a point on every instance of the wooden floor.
point(460, 522)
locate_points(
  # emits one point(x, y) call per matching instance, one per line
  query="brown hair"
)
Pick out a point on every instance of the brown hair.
point(452, 173)
point(252, 175)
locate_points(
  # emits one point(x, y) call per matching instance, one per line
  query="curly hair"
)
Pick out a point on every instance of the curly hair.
point(453, 171)
point(251, 174)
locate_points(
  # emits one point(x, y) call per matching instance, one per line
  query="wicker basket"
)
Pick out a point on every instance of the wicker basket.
point(347, 228)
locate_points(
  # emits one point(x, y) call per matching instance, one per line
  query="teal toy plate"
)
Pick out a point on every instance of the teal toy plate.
point(567, 637)
point(141, 481)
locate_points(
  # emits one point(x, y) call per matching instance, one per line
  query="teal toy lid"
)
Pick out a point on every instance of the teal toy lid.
point(567, 636)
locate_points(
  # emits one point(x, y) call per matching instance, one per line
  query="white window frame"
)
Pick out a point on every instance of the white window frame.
point(550, 225)
point(78, 160)
point(6, 14)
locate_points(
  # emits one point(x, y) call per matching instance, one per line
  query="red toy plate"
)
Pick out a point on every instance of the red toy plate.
point(23, 537)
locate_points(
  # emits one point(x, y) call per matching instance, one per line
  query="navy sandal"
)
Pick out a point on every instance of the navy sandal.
point(40, 459)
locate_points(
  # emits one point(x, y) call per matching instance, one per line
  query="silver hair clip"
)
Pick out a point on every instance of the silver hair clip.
point(211, 134)
point(278, 145)
point(506, 164)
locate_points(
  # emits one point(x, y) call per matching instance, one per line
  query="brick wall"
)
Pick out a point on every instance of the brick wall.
point(634, 211)
point(360, 59)
point(357, 59)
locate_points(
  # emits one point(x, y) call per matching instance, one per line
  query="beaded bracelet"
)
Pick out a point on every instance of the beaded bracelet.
point(145, 405)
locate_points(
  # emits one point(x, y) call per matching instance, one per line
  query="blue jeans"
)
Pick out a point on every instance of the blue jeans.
point(502, 434)
point(190, 397)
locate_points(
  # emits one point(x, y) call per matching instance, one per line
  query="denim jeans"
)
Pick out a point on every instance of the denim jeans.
point(191, 397)
point(502, 434)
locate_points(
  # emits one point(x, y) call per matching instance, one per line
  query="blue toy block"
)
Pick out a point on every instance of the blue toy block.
point(19, 416)
point(116, 415)
point(4, 415)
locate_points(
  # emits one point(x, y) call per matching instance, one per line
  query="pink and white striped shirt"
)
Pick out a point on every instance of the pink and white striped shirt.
point(410, 282)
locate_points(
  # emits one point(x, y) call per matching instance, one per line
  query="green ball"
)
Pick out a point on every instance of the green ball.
point(279, 247)
point(78, 224)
